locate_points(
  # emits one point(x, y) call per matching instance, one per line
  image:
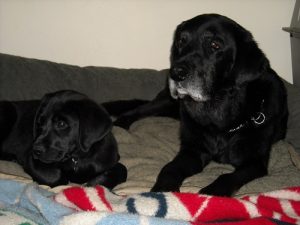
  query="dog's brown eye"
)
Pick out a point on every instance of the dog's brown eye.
point(182, 41)
point(60, 124)
point(215, 45)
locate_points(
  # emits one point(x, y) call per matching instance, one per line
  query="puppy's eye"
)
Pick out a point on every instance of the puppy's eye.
point(60, 124)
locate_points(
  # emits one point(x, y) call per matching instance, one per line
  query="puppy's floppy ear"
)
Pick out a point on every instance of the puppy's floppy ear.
point(94, 123)
point(48, 103)
point(43, 109)
point(250, 61)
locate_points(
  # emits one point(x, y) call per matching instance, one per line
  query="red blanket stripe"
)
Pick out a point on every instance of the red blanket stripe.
point(78, 196)
point(101, 194)
point(187, 198)
point(265, 202)
point(282, 206)
point(223, 208)
point(296, 207)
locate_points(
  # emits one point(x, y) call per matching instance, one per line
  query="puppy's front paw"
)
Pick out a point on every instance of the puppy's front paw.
point(124, 122)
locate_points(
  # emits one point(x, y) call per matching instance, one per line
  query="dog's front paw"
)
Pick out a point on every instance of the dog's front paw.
point(166, 187)
point(216, 190)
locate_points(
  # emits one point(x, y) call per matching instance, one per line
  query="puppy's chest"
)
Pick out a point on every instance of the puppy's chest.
point(77, 171)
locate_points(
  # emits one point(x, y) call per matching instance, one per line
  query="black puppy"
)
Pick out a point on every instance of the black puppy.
point(232, 105)
point(64, 137)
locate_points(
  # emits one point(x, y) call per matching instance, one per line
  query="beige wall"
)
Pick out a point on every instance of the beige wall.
point(131, 33)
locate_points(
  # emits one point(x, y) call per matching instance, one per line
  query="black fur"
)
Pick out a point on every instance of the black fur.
point(64, 137)
point(232, 105)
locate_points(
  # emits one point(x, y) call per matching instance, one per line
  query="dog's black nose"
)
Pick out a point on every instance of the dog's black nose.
point(37, 151)
point(179, 73)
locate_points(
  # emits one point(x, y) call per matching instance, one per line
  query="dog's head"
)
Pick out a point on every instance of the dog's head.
point(210, 55)
point(67, 123)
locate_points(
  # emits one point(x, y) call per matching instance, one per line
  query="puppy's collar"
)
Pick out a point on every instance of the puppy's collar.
point(256, 120)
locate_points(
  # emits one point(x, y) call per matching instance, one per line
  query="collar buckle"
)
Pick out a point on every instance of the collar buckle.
point(258, 119)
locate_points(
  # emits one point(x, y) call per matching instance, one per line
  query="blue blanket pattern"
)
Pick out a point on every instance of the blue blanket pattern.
point(28, 204)
point(34, 204)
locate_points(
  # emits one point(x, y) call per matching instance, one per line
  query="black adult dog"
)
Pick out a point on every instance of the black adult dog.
point(64, 137)
point(232, 105)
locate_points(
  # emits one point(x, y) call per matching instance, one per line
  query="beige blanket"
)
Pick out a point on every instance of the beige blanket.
point(152, 142)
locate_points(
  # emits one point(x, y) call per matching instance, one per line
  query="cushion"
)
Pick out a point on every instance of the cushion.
point(293, 128)
point(25, 79)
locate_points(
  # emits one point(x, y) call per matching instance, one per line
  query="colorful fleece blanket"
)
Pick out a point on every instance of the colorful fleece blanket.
point(100, 206)
point(29, 204)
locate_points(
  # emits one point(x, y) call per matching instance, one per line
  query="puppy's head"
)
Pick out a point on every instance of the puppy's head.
point(211, 54)
point(67, 123)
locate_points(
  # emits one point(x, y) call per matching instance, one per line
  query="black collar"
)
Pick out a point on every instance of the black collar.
point(256, 120)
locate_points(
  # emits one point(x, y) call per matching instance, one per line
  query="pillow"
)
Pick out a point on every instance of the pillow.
point(25, 79)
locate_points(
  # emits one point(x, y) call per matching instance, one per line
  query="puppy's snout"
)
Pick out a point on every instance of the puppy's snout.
point(179, 73)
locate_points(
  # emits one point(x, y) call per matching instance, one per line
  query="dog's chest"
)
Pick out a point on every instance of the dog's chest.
point(208, 127)
point(218, 146)
point(211, 115)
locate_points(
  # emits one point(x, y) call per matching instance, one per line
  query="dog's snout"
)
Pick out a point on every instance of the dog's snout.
point(179, 73)
point(38, 150)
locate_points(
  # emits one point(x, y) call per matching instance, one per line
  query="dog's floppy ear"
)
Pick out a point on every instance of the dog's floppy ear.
point(94, 123)
point(250, 61)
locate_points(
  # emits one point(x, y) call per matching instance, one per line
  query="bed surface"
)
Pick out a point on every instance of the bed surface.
point(151, 143)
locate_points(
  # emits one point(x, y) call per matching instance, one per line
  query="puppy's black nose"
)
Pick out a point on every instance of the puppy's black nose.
point(179, 73)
